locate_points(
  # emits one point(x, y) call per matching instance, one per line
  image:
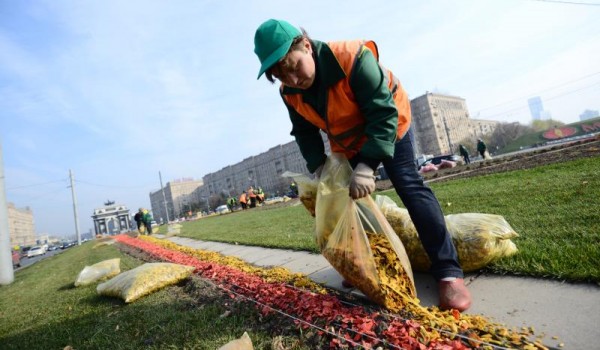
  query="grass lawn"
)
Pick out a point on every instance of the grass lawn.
point(42, 310)
point(554, 208)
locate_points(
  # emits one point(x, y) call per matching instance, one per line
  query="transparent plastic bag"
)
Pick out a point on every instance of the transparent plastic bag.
point(242, 343)
point(358, 242)
point(307, 190)
point(144, 279)
point(99, 271)
point(479, 238)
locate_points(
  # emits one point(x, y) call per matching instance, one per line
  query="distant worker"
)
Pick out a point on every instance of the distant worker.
point(464, 153)
point(260, 195)
point(138, 221)
point(147, 220)
point(293, 190)
point(231, 202)
point(252, 196)
point(244, 200)
point(481, 148)
point(143, 221)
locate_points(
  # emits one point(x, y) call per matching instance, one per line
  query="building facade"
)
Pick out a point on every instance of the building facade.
point(263, 170)
point(111, 219)
point(535, 107)
point(441, 123)
point(588, 114)
point(480, 127)
point(21, 226)
point(180, 197)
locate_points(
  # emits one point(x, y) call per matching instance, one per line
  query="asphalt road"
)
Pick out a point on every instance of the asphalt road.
point(30, 261)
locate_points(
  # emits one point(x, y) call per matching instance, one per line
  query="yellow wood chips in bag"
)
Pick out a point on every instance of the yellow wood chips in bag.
point(144, 279)
point(479, 238)
point(358, 242)
point(99, 271)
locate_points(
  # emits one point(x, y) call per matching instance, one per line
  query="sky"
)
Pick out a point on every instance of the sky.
point(117, 91)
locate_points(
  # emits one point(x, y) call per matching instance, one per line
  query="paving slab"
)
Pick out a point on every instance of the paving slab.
point(273, 258)
point(231, 250)
point(252, 254)
point(307, 263)
point(329, 277)
point(568, 311)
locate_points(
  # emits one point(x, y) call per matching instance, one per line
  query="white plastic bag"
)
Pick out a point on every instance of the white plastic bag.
point(242, 343)
point(99, 271)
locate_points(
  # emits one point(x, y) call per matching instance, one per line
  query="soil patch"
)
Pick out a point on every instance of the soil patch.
point(526, 160)
point(197, 292)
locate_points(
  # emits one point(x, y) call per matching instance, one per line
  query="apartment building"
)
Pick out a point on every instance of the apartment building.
point(481, 127)
point(180, 197)
point(21, 226)
point(263, 170)
point(441, 122)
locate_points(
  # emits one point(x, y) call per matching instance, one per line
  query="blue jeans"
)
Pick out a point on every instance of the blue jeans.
point(424, 210)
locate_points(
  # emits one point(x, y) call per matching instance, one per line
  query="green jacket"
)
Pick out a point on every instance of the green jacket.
point(146, 217)
point(372, 95)
point(481, 147)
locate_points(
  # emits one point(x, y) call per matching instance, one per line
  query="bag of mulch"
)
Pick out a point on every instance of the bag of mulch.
point(143, 280)
point(242, 343)
point(358, 242)
point(103, 241)
point(479, 238)
point(99, 271)
point(307, 190)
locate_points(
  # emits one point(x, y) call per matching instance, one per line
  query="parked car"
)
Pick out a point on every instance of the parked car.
point(24, 251)
point(35, 251)
point(437, 160)
point(16, 258)
point(222, 209)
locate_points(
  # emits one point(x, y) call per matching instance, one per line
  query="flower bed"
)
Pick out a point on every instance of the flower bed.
point(340, 325)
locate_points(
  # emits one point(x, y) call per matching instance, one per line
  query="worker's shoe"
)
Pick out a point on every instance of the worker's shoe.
point(454, 295)
point(347, 284)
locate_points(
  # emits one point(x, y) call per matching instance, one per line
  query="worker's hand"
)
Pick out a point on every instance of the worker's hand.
point(318, 172)
point(362, 181)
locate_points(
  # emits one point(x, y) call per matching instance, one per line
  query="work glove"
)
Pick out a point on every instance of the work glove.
point(362, 181)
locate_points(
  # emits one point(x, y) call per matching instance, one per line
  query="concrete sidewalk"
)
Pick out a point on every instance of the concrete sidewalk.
point(570, 312)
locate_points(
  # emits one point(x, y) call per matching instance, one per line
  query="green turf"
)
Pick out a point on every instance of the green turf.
point(554, 208)
point(42, 309)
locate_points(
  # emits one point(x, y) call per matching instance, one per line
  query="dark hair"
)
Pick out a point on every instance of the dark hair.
point(296, 45)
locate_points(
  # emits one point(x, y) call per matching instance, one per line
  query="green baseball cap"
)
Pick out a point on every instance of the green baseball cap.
point(272, 41)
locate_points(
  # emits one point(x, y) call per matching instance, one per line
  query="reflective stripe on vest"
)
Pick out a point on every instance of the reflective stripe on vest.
point(344, 122)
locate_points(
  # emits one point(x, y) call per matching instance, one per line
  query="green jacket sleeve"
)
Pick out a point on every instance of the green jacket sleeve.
point(308, 138)
point(377, 105)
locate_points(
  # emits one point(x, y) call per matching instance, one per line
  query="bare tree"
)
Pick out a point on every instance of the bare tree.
point(505, 133)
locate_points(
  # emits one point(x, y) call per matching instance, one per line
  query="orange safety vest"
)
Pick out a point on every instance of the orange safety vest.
point(243, 198)
point(345, 123)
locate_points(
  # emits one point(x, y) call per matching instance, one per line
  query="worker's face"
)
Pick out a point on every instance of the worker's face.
point(297, 69)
